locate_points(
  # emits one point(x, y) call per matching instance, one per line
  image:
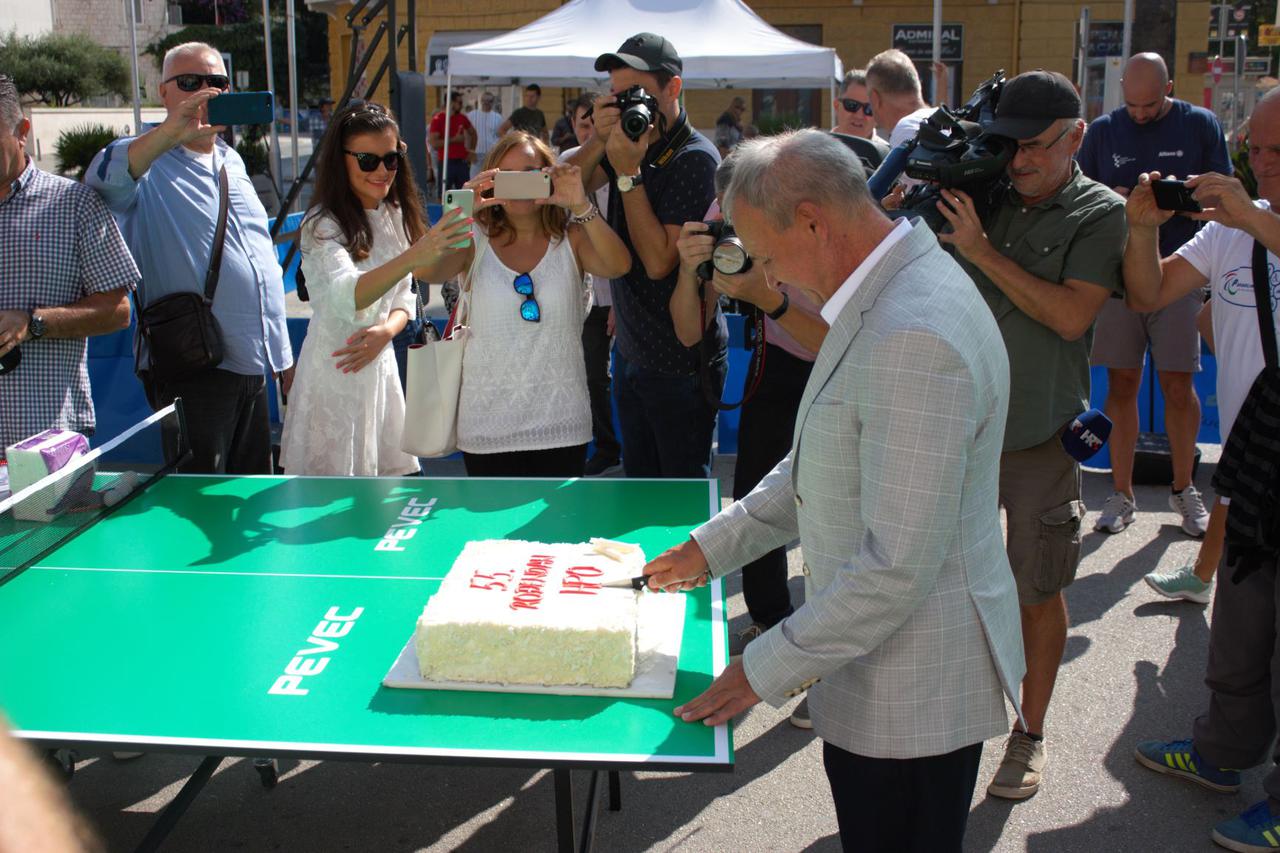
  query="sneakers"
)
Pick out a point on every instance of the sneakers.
point(739, 642)
point(1257, 828)
point(1018, 776)
point(600, 463)
point(1179, 758)
point(1116, 515)
point(1181, 583)
point(1187, 503)
point(800, 716)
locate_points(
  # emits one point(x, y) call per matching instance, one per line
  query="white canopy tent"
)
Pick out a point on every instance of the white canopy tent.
point(722, 43)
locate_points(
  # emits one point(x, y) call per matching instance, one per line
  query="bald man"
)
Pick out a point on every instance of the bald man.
point(1152, 132)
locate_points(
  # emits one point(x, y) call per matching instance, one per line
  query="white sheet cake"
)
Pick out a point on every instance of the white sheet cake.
point(513, 612)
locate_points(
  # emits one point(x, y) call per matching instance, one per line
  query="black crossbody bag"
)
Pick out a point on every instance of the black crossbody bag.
point(180, 331)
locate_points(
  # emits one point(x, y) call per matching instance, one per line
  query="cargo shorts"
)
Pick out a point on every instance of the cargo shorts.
point(1040, 494)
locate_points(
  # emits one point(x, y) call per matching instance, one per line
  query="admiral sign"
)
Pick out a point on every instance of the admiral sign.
point(916, 41)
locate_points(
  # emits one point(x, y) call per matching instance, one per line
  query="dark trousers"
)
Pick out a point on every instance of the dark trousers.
point(556, 462)
point(227, 420)
point(764, 438)
point(902, 805)
point(1243, 677)
point(665, 420)
point(456, 173)
point(596, 343)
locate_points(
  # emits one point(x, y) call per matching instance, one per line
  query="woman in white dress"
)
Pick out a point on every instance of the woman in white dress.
point(524, 410)
point(362, 240)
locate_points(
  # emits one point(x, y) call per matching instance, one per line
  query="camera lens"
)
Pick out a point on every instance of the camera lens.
point(730, 256)
point(635, 121)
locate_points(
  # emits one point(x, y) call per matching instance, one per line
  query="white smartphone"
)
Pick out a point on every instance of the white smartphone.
point(521, 185)
point(464, 200)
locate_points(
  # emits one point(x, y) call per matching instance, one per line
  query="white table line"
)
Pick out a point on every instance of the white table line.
point(242, 574)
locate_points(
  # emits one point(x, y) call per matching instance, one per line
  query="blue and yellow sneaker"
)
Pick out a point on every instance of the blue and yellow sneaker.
point(1179, 758)
point(1255, 830)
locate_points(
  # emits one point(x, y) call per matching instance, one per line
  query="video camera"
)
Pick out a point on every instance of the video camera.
point(952, 150)
point(728, 256)
point(638, 111)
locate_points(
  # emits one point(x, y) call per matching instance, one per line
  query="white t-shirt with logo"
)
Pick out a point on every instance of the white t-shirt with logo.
point(1225, 256)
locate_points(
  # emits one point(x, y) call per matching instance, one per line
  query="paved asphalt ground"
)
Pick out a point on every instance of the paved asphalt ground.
point(1133, 670)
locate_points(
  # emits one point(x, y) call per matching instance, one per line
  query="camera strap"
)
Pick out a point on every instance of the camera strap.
point(675, 141)
point(752, 383)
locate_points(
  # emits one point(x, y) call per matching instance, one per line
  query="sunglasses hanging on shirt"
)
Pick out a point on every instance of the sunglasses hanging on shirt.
point(529, 309)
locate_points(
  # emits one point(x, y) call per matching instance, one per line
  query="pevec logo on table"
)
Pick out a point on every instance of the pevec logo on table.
point(306, 662)
point(404, 528)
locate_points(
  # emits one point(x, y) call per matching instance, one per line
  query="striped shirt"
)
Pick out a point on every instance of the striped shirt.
point(486, 125)
point(58, 245)
point(168, 218)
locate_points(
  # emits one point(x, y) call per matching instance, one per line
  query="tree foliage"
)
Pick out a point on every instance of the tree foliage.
point(61, 70)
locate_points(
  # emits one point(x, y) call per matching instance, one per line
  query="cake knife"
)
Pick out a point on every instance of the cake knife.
point(637, 583)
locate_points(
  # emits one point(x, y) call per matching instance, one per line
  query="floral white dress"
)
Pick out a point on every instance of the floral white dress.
point(347, 424)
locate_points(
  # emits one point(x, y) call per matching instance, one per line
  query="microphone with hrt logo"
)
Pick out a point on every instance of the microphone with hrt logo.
point(1086, 434)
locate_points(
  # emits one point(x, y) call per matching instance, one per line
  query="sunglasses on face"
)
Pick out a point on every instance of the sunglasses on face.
point(196, 82)
point(369, 162)
point(852, 105)
point(529, 310)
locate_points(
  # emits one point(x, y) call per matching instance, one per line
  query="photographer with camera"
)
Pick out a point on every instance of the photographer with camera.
point(661, 174)
point(1046, 258)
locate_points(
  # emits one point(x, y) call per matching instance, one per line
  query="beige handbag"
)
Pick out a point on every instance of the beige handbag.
point(433, 381)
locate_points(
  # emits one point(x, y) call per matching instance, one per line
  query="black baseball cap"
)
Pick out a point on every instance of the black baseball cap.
point(643, 52)
point(1031, 102)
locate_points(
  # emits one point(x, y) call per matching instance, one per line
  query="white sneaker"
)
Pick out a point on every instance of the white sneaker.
point(1187, 503)
point(1117, 513)
point(1181, 583)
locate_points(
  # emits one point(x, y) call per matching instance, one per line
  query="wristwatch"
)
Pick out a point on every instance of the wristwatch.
point(626, 183)
point(36, 328)
point(776, 314)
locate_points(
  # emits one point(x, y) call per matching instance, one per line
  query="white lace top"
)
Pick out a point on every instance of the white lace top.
point(524, 384)
point(345, 424)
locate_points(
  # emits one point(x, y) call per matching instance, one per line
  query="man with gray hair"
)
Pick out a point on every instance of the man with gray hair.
point(896, 99)
point(1046, 257)
point(164, 187)
point(908, 639)
point(65, 274)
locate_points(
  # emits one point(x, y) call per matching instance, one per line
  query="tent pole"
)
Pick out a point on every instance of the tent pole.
point(292, 43)
point(133, 53)
point(274, 160)
point(937, 50)
point(444, 143)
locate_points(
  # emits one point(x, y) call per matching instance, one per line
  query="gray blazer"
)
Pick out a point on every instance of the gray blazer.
point(910, 632)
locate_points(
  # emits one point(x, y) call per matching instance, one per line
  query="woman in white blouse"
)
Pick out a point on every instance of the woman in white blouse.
point(362, 241)
point(524, 409)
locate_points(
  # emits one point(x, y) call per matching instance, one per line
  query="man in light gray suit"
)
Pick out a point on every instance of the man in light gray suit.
point(909, 637)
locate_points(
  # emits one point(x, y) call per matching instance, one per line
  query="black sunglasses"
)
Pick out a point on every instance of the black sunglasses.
point(196, 82)
point(852, 105)
point(529, 309)
point(369, 162)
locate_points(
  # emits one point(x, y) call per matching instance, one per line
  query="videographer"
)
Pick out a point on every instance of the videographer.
point(661, 176)
point(1046, 258)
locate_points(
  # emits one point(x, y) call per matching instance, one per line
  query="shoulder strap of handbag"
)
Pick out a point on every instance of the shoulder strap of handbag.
point(1262, 298)
point(219, 238)
point(481, 243)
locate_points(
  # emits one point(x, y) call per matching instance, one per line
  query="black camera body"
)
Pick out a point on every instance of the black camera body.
point(638, 109)
point(954, 150)
point(728, 255)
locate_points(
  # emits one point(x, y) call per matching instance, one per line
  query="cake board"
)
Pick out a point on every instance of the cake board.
point(659, 631)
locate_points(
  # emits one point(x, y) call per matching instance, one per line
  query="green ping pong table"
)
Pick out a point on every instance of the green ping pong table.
point(256, 616)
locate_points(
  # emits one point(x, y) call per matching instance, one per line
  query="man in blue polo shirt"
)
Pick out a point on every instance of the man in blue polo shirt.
point(664, 390)
point(1152, 132)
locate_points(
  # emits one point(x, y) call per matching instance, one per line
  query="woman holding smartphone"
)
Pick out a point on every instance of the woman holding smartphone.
point(524, 408)
point(362, 241)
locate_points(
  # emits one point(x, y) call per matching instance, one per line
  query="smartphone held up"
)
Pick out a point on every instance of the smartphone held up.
point(240, 108)
point(1174, 195)
point(464, 200)
point(522, 185)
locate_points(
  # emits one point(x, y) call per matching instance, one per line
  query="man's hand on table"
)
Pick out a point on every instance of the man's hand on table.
point(728, 696)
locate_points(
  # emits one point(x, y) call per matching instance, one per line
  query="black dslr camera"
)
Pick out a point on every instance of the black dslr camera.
point(728, 256)
point(639, 110)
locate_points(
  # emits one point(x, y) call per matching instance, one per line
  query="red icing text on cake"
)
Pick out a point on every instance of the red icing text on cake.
point(575, 581)
point(528, 592)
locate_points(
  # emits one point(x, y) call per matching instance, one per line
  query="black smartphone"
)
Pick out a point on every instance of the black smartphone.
point(236, 108)
point(1174, 195)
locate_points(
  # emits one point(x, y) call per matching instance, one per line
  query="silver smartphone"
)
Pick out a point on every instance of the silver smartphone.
point(464, 200)
point(522, 185)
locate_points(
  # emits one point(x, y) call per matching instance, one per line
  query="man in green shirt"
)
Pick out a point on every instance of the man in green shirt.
point(1046, 258)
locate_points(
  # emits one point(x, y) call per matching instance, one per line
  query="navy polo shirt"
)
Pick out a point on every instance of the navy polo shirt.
point(679, 192)
point(1187, 141)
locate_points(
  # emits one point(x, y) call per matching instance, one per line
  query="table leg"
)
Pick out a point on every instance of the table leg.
point(175, 810)
point(565, 841)
point(592, 809)
point(615, 791)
